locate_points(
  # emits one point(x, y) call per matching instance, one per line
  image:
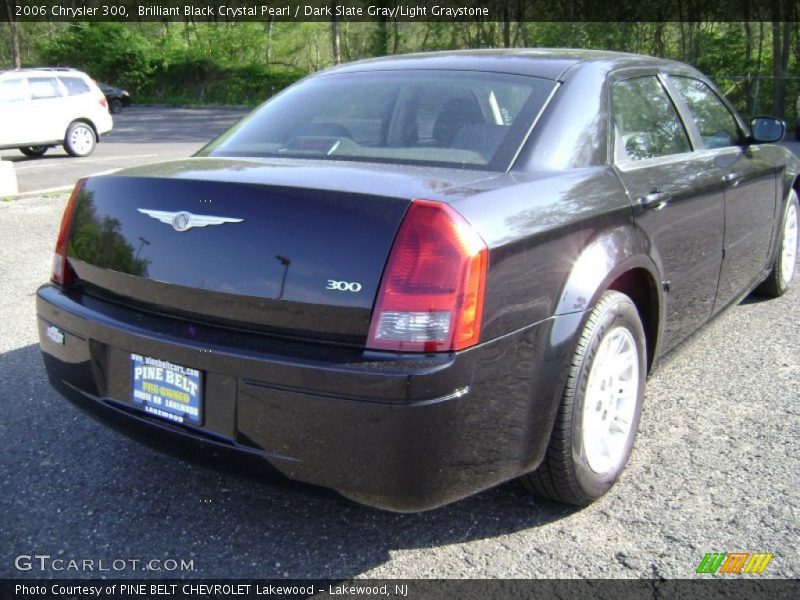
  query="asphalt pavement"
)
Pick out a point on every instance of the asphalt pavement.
point(716, 468)
point(140, 136)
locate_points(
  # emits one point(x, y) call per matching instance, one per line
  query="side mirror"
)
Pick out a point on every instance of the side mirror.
point(766, 130)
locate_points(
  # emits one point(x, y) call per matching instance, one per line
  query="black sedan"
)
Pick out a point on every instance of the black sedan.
point(117, 97)
point(410, 279)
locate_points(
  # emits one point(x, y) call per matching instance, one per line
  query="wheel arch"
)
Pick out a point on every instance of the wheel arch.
point(614, 261)
point(639, 285)
point(86, 120)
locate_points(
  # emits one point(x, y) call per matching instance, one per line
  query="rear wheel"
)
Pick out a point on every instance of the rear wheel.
point(780, 278)
point(600, 408)
point(80, 139)
point(33, 151)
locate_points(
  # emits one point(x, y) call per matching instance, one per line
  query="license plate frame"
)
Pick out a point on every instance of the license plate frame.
point(167, 390)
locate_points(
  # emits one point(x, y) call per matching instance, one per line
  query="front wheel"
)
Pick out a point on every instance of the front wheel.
point(115, 106)
point(80, 139)
point(780, 277)
point(600, 408)
point(33, 151)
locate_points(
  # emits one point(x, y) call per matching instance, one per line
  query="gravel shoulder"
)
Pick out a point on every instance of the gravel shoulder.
point(715, 469)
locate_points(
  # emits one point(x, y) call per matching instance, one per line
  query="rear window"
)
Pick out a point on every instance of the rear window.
point(43, 87)
point(467, 119)
point(75, 85)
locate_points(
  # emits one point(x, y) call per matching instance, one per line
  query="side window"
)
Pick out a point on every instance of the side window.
point(646, 123)
point(717, 125)
point(12, 90)
point(43, 87)
point(75, 85)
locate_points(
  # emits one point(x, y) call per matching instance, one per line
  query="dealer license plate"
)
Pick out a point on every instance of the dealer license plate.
point(167, 390)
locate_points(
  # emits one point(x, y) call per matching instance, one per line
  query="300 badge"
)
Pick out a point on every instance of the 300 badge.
point(343, 286)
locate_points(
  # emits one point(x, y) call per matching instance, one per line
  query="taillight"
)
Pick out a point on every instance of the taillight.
point(62, 272)
point(431, 294)
point(103, 101)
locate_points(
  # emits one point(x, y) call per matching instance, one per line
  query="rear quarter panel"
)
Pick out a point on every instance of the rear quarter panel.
point(788, 178)
point(554, 238)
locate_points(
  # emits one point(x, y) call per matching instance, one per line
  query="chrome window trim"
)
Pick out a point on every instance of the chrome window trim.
point(633, 165)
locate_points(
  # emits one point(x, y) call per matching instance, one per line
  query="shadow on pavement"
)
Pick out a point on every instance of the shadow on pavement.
point(78, 490)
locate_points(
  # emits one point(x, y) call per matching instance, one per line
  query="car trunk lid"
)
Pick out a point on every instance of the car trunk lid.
point(294, 260)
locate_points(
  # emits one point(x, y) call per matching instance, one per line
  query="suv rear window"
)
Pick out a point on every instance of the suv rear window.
point(43, 87)
point(75, 85)
point(464, 119)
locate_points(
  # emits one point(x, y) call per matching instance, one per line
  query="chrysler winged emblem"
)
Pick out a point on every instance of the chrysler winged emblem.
point(184, 221)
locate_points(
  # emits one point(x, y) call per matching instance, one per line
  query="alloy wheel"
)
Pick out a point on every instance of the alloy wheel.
point(82, 140)
point(789, 249)
point(610, 402)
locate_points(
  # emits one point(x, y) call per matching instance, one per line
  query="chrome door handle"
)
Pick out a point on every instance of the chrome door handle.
point(731, 177)
point(655, 200)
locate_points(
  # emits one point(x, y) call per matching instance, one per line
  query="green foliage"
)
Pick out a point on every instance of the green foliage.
point(244, 63)
point(108, 51)
point(197, 80)
point(174, 65)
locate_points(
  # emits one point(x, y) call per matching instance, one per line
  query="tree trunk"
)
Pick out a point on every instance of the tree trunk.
point(778, 69)
point(395, 37)
point(335, 43)
point(14, 25)
point(506, 25)
point(15, 44)
point(659, 45)
point(748, 58)
point(381, 47)
point(269, 40)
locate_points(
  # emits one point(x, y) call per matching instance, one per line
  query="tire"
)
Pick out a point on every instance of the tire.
point(115, 106)
point(575, 469)
point(784, 266)
point(80, 139)
point(33, 151)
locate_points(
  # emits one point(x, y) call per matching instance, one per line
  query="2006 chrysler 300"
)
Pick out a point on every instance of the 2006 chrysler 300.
point(410, 279)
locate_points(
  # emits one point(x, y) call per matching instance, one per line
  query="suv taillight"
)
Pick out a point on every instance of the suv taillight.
point(431, 294)
point(62, 271)
point(103, 101)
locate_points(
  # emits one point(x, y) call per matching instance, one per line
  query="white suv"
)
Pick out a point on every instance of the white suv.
point(41, 108)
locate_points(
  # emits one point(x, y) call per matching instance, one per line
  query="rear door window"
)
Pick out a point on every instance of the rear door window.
point(44, 87)
point(717, 125)
point(75, 85)
point(646, 124)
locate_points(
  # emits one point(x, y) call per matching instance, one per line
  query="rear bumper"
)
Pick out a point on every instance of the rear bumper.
point(396, 432)
point(104, 123)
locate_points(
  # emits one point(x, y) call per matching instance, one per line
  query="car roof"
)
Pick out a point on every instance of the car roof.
point(34, 70)
point(546, 63)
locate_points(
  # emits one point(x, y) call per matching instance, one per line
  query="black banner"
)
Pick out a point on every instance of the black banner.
point(120, 589)
point(399, 10)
